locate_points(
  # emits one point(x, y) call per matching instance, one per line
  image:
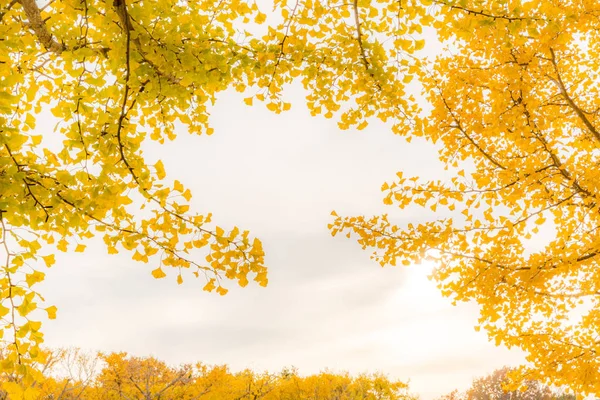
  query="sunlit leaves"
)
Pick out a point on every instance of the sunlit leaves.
point(119, 375)
point(514, 112)
point(112, 83)
point(515, 98)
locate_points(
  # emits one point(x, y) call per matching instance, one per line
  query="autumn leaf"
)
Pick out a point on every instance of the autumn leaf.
point(160, 170)
point(34, 277)
point(51, 312)
point(49, 260)
point(158, 273)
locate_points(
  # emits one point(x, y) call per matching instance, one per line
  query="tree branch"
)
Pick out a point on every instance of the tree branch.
point(37, 24)
point(359, 36)
point(561, 86)
point(482, 13)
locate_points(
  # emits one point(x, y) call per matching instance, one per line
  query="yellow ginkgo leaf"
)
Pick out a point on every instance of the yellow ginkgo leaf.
point(34, 277)
point(49, 260)
point(158, 273)
point(51, 312)
point(160, 170)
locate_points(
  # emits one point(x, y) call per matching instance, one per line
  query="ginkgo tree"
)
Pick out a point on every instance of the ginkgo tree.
point(515, 112)
point(513, 107)
point(72, 374)
point(116, 73)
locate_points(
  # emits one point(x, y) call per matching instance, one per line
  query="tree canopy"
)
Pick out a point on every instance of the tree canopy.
point(72, 374)
point(515, 109)
point(495, 387)
point(514, 106)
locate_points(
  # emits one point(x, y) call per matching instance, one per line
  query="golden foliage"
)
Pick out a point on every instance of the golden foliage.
point(118, 73)
point(515, 109)
point(73, 374)
point(514, 106)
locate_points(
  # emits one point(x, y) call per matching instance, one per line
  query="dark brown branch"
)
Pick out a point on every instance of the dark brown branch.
point(555, 160)
point(482, 13)
point(359, 36)
point(121, 8)
point(468, 137)
point(28, 185)
point(561, 86)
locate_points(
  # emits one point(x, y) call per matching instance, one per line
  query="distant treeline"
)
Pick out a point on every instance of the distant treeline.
point(71, 374)
point(496, 386)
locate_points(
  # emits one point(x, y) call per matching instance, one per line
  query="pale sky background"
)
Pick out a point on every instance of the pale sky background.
point(327, 304)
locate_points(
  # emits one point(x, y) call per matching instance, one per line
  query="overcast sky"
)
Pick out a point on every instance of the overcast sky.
point(327, 304)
